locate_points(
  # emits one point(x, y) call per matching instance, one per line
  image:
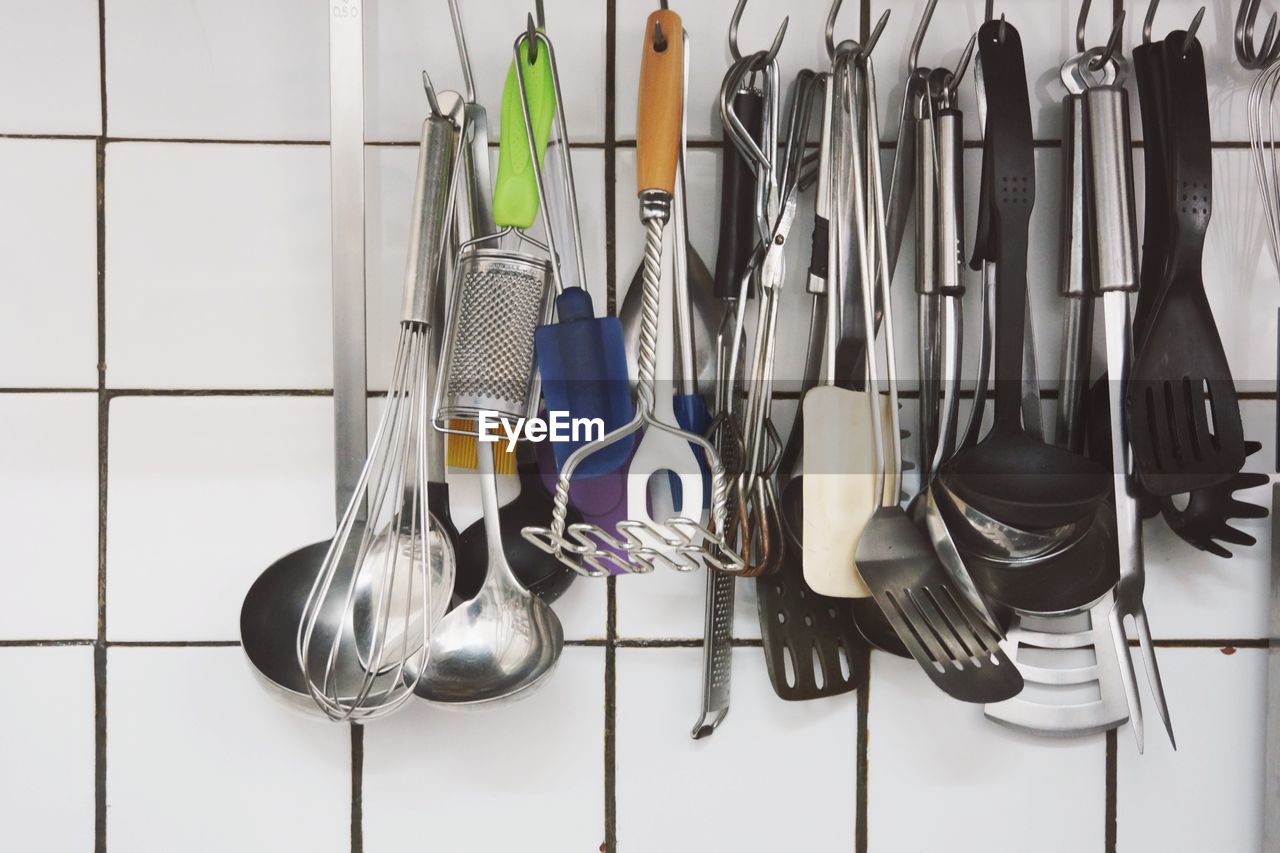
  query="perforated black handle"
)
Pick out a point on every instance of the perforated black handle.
point(1190, 158)
point(1009, 194)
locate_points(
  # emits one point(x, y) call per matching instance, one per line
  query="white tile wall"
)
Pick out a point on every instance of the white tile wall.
point(51, 190)
point(50, 494)
point(49, 56)
point(523, 776)
point(47, 785)
point(200, 758)
point(201, 159)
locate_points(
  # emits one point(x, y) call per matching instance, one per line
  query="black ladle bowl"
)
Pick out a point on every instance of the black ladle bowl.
point(539, 572)
point(1026, 483)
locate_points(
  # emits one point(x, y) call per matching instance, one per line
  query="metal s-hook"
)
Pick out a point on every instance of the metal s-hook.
point(957, 74)
point(864, 51)
point(464, 56)
point(1113, 40)
point(531, 34)
point(432, 100)
point(736, 53)
point(1246, 18)
point(913, 56)
point(988, 13)
point(829, 33)
point(1191, 30)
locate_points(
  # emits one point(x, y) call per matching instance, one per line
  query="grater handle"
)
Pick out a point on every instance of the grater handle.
point(515, 191)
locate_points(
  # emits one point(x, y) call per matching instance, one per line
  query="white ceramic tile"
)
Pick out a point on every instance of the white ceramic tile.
point(1193, 594)
point(218, 266)
point(49, 257)
point(940, 773)
point(528, 775)
point(49, 456)
point(675, 793)
point(201, 758)
point(205, 493)
point(1239, 273)
point(46, 795)
point(52, 48)
point(403, 37)
point(392, 173)
point(218, 70)
point(1208, 794)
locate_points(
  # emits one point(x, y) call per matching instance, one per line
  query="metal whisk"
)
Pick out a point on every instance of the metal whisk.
point(385, 569)
point(1262, 119)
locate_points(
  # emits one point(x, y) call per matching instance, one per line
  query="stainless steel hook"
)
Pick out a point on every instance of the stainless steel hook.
point(864, 51)
point(829, 33)
point(1246, 18)
point(772, 53)
point(913, 57)
point(432, 100)
point(464, 56)
point(1113, 40)
point(988, 13)
point(1191, 30)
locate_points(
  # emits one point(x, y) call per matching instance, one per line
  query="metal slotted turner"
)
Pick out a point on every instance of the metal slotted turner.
point(952, 643)
point(1070, 659)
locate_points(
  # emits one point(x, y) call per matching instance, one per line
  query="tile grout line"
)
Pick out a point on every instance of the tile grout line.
point(1109, 814)
point(861, 763)
point(357, 787)
point(610, 844)
point(104, 402)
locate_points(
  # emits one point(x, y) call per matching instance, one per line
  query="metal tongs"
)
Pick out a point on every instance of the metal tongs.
point(779, 181)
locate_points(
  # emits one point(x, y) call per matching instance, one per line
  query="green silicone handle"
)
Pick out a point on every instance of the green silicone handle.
point(515, 192)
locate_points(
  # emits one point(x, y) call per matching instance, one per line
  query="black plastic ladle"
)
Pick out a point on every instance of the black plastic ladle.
point(1009, 475)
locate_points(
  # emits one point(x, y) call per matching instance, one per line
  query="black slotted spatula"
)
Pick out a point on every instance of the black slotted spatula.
point(1184, 417)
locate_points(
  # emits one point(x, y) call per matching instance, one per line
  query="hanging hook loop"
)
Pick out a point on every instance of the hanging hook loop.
point(734, 50)
point(913, 57)
point(1113, 40)
point(1246, 18)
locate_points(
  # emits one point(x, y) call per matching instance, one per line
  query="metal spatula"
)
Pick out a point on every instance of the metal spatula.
point(952, 643)
point(1048, 649)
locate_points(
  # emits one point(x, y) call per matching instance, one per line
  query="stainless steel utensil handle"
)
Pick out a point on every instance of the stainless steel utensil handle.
point(438, 155)
point(1115, 225)
point(1077, 325)
point(927, 243)
point(346, 176)
point(948, 133)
